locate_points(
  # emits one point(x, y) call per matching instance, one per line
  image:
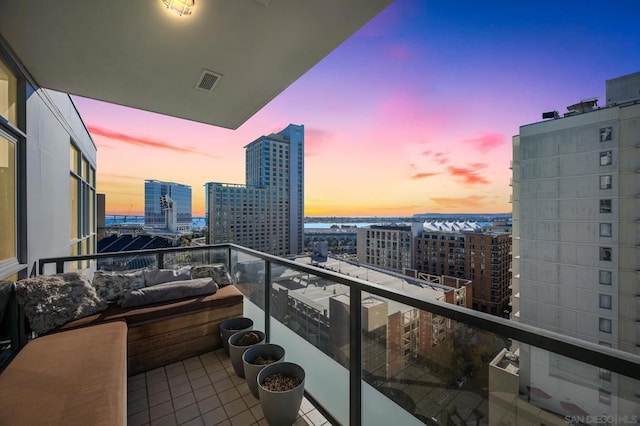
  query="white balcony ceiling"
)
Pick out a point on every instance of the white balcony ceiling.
point(139, 54)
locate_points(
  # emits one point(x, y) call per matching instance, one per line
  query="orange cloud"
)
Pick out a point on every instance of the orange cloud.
point(142, 142)
point(472, 201)
point(423, 175)
point(486, 141)
point(467, 175)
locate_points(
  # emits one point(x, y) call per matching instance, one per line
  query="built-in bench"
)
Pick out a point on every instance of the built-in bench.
point(77, 373)
point(171, 331)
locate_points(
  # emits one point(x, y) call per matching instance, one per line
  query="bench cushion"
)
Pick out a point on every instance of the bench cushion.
point(225, 296)
point(77, 377)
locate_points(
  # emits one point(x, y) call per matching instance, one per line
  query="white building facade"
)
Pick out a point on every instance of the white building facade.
point(576, 233)
point(267, 212)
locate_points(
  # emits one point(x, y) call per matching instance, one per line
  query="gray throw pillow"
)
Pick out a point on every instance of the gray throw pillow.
point(112, 286)
point(217, 271)
point(169, 291)
point(52, 300)
point(160, 276)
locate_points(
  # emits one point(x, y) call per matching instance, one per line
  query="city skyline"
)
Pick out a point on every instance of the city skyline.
point(414, 113)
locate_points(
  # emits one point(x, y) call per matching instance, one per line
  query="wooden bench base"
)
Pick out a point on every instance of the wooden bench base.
point(156, 343)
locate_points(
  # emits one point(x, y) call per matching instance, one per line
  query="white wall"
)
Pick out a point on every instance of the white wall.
point(52, 122)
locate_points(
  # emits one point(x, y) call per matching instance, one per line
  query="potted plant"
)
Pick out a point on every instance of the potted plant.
point(257, 358)
point(240, 342)
point(281, 388)
point(231, 326)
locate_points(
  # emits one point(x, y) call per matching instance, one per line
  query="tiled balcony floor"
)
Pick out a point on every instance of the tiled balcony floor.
point(202, 390)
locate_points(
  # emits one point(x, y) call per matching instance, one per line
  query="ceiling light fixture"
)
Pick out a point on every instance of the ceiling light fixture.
point(180, 7)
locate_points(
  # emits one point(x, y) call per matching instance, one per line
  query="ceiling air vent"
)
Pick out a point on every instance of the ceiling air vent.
point(208, 80)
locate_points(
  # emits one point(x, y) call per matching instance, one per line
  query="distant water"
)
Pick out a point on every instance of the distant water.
point(200, 222)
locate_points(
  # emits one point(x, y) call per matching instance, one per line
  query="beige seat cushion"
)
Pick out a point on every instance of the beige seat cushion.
point(76, 377)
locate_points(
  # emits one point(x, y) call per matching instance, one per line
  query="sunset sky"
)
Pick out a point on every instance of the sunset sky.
point(412, 114)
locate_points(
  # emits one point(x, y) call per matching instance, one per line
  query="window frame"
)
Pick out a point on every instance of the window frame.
point(606, 205)
point(603, 229)
point(606, 305)
point(602, 273)
point(605, 325)
point(606, 181)
point(607, 156)
point(606, 254)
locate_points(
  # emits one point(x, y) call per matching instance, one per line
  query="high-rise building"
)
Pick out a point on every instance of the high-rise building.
point(167, 205)
point(267, 212)
point(576, 237)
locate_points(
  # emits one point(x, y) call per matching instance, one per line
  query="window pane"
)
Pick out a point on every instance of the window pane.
point(606, 158)
point(605, 301)
point(92, 211)
point(605, 229)
point(74, 190)
point(85, 170)
point(8, 94)
point(605, 277)
point(74, 157)
point(605, 134)
point(605, 182)
point(8, 223)
point(605, 325)
point(605, 253)
point(605, 206)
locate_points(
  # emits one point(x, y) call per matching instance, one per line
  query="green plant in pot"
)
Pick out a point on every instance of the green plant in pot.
point(240, 342)
point(281, 388)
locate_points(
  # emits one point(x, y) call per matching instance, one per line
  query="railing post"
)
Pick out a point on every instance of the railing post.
point(355, 357)
point(267, 300)
point(160, 260)
point(59, 266)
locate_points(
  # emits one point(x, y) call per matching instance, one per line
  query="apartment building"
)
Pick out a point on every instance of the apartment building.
point(167, 205)
point(469, 251)
point(576, 239)
point(266, 213)
point(387, 246)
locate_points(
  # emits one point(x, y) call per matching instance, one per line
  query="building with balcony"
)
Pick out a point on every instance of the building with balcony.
point(466, 250)
point(167, 205)
point(387, 246)
point(575, 210)
point(267, 212)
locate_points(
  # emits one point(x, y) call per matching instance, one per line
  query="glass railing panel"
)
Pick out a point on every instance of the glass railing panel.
point(326, 380)
point(310, 318)
point(302, 301)
point(529, 383)
point(195, 257)
point(127, 262)
point(248, 272)
point(433, 369)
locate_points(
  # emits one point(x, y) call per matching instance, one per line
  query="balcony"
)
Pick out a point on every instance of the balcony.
point(453, 365)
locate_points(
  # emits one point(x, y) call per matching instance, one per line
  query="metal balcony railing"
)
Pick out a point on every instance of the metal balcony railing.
point(376, 369)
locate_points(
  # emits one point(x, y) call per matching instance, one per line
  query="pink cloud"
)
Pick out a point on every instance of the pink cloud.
point(142, 142)
point(314, 140)
point(467, 175)
point(423, 175)
point(485, 142)
point(400, 51)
